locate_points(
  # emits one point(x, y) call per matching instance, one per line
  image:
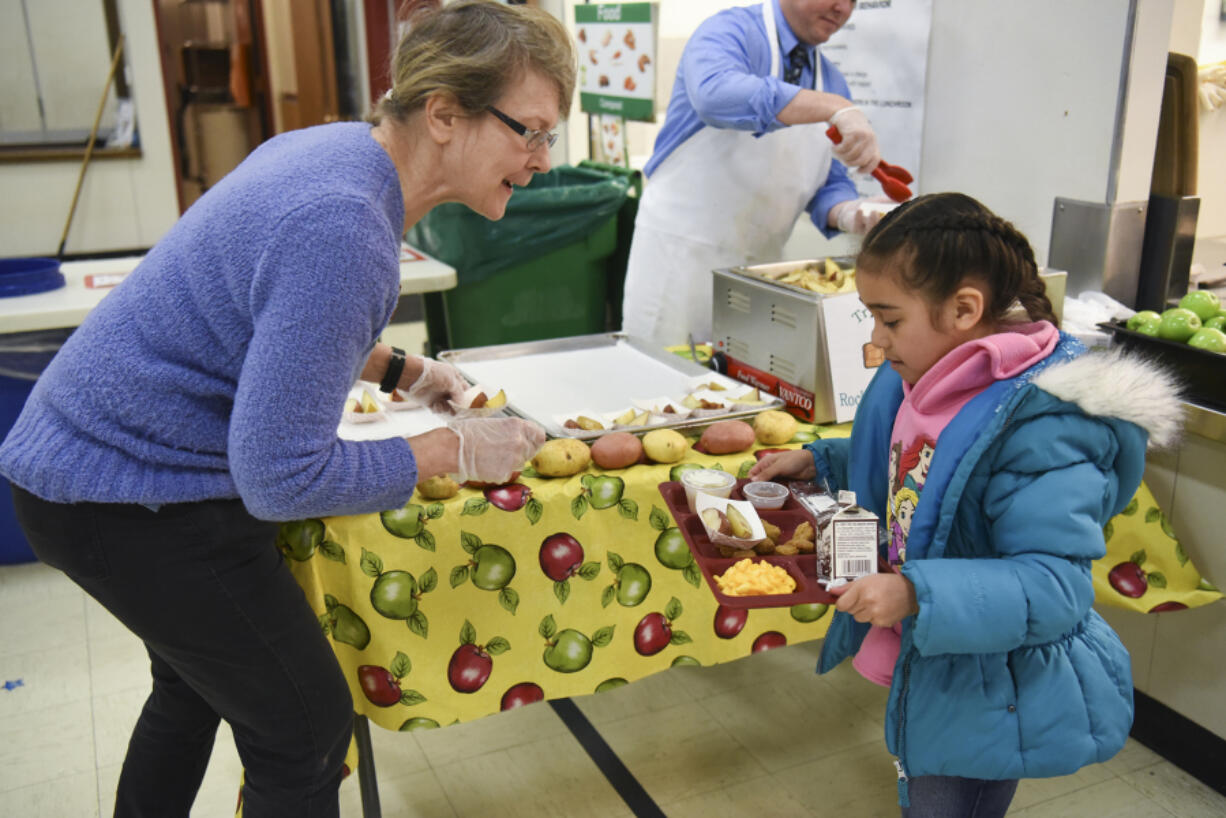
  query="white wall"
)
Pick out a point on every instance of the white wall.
point(124, 203)
point(1211, 175)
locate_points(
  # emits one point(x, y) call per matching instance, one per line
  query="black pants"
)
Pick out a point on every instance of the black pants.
point(230, 636)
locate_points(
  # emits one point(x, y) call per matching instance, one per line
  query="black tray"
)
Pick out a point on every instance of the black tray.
point(1202, 373)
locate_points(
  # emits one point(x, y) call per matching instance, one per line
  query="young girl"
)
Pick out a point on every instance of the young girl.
point(998, 668)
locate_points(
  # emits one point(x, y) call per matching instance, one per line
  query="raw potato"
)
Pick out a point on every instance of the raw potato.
point(439, 487)
point(664, 445)
point(774, 427)
point(727, 436)
point(616, 450)
point(562, 457)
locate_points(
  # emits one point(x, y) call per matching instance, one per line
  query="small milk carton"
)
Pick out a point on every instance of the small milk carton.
point(846, 536)
point(853, 543)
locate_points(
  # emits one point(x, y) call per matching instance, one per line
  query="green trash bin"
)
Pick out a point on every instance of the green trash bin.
point(542, 271)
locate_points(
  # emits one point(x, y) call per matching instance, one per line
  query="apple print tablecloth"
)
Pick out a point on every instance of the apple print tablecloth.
point(449, 611)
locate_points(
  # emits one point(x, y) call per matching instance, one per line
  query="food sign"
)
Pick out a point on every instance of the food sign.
point(617, 59)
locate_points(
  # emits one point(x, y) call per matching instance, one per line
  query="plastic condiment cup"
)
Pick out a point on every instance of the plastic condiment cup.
point(709, 481)
point(765, 494)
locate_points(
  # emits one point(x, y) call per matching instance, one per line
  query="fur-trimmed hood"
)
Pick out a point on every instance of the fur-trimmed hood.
point(1119, 384)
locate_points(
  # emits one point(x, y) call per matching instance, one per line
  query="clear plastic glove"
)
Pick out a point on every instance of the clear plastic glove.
point(437, 384)
point(858, 150)
point(861, 215)
point(491, 449)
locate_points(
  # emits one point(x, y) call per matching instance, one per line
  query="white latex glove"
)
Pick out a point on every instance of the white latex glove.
point(437, 384)
point(858, 150)
point(860, 215)
point(491, 449)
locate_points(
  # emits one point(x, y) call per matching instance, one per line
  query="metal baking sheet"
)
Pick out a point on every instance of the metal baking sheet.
point(561, 377)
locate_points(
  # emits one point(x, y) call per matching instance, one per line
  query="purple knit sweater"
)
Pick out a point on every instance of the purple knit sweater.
point(219, 367)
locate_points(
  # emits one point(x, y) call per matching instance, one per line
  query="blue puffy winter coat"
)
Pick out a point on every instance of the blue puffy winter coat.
point(1006, 671)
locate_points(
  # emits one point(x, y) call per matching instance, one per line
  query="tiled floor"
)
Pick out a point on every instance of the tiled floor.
point(739, 739)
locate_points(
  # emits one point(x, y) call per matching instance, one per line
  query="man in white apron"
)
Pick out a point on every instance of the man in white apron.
point(743, 151)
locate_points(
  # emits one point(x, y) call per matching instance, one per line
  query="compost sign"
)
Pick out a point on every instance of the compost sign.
point(617, 59)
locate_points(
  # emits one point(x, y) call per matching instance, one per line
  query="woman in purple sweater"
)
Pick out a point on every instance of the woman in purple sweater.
point(198, 404)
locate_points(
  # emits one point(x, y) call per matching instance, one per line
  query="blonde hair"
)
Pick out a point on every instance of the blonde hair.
point(473, 50)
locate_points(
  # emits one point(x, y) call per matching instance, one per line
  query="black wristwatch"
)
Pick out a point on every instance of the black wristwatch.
point(395, 368)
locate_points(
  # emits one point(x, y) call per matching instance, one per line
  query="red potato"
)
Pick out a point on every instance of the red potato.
point(726, 436)
point(617, 450)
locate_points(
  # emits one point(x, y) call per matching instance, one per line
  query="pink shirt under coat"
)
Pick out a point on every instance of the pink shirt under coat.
point(927, 408)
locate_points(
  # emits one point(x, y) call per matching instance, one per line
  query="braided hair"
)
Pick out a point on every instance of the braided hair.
point(939, 240)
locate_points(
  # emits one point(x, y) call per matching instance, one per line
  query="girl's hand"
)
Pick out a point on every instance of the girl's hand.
point(797, 463)
point(879, 599)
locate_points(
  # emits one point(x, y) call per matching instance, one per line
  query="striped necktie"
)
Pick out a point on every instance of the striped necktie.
point(798, 61)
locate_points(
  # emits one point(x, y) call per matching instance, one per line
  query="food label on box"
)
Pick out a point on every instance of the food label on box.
point(800, 402)
point(853, 543)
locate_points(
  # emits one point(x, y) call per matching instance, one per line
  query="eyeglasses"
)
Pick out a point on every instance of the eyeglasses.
point(532, 136)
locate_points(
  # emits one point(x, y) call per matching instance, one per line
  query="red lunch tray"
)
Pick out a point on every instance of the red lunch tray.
point(802, 567)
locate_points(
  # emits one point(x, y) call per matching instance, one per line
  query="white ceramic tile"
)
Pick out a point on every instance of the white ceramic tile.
point(41, 622)
point(796, 717)
point(417, 795)
point(72, 795)
point(46, 745)
point(1114, 798)
point(1177, 791)
point(118, 664)
point(854, 688)
point(114, 717)
point(108, 780)
point(1032, 791)
point(548, 777)
point(499, 731)
point(854, 781)
point(29, 581)
point(101, 624)
point(1134, 756)
point(749, 799)
point(396, 754)
point(43, 679)
point(656, 692)
point(680, 752)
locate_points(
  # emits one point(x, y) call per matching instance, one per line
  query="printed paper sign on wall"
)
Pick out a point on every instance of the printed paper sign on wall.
point(617, 59)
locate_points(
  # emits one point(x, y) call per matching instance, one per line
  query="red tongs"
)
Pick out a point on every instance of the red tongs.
point(893, 178)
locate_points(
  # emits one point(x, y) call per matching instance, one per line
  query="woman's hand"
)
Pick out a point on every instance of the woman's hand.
point(436, 386)
point(797, 463)
point(879, 599)
point(491, 449)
